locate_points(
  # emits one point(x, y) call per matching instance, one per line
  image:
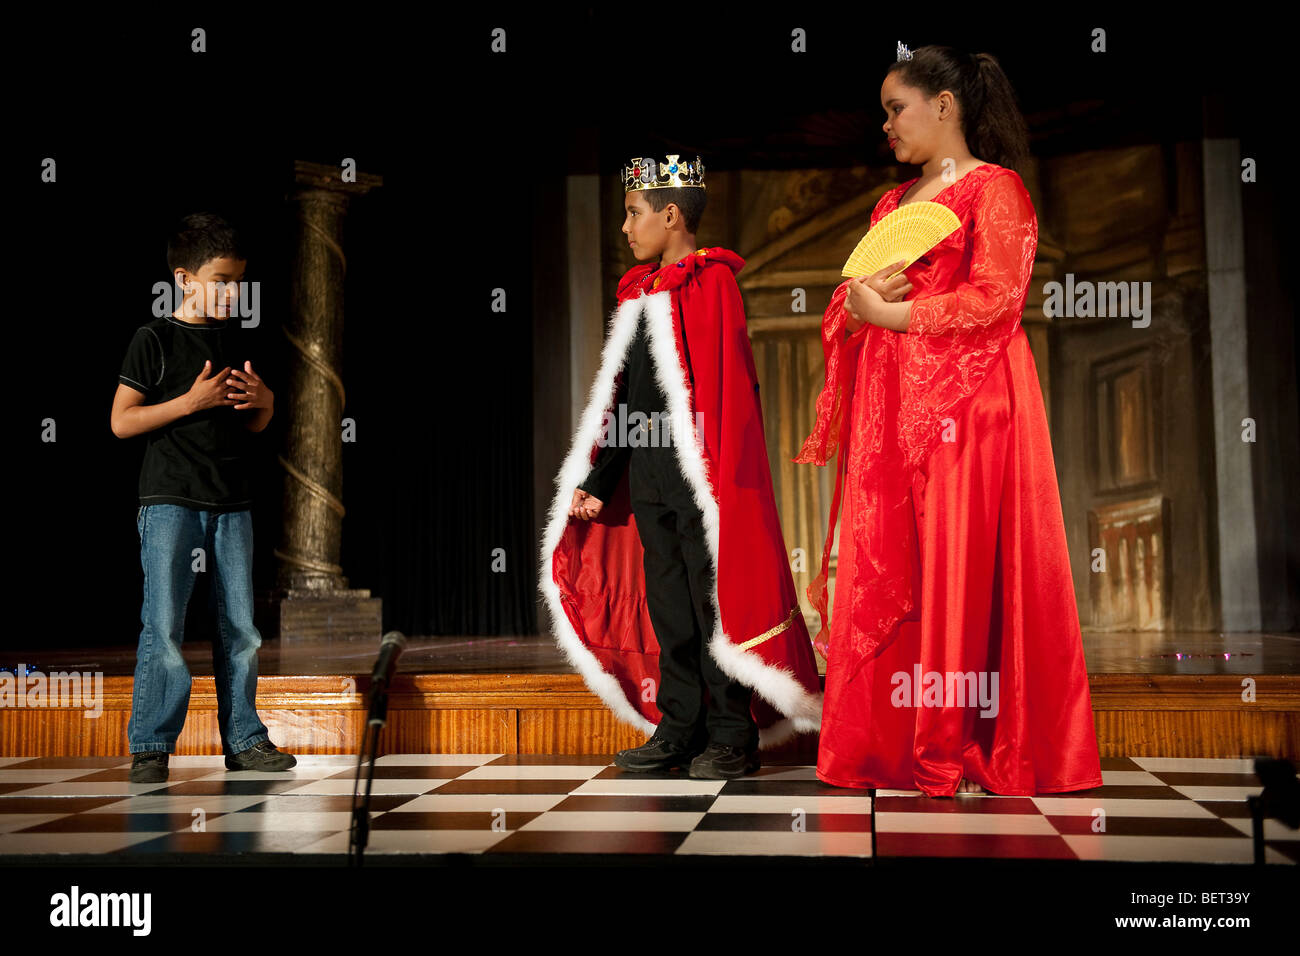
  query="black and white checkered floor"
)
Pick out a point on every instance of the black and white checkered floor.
point(1153, 809)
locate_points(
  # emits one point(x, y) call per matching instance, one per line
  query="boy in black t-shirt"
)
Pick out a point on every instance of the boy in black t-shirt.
point(184, 386)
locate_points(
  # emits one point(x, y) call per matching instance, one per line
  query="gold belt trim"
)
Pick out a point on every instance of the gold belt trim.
point(771, 632)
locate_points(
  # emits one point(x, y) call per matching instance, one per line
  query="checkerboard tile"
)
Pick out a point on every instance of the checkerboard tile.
point(1148, 809)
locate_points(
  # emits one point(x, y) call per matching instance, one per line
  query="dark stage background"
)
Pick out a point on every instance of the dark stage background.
point(474, 150)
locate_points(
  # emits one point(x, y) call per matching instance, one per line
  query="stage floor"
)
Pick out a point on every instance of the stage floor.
point(1116, 652)
point(499, 806)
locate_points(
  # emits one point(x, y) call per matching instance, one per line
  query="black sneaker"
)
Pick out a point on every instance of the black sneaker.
point(260, 756)
point(721, 762)
point(657, 753)
point(149, 767)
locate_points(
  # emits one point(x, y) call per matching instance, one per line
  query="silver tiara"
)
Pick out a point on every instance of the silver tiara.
point(903, 52)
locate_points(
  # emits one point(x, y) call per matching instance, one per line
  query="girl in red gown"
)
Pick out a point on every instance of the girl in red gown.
point(954, 655)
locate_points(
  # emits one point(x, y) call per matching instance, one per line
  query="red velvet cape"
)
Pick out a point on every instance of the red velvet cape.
point(592, 573)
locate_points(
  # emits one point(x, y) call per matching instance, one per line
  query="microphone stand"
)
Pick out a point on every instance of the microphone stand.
point(359, 835)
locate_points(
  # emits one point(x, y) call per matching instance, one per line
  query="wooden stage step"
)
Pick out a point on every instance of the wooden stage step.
point(1159, 715)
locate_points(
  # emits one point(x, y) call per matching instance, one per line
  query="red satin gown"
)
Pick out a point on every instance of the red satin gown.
point(954, 645)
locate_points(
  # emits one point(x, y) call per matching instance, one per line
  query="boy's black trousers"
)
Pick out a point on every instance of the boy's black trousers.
point(699, 703)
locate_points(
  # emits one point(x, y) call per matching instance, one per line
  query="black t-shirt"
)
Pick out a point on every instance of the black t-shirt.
point(199, 460)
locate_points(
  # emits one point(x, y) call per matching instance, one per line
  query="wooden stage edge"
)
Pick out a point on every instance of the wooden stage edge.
point(1136, 715)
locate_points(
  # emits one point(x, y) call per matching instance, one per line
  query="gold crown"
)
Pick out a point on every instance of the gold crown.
point(645, 173)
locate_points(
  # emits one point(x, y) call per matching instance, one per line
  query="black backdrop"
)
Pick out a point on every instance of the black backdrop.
point(430, 433)
point(440, 473)
point(144, 131)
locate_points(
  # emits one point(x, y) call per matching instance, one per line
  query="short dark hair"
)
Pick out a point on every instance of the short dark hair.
point(689, 199)
point(198, 239)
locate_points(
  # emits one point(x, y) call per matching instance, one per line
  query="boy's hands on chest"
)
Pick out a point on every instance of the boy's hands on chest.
point(250, 392)
point(241, 389)
point(247, 387)
point(209, 390)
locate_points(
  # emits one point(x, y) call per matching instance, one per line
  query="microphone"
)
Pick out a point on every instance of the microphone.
point(390, 648)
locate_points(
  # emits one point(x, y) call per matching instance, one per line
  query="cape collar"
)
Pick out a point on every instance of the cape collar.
point(650, 278)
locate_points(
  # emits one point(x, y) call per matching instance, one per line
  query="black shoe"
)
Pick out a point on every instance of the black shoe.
point(721, 762)
point(260, 756)
point(149, 767)
point(657, 753)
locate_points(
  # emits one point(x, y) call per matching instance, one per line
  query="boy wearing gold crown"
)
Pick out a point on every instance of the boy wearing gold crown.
point(663, 562)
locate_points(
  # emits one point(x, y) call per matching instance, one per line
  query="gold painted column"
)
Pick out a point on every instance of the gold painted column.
point(315, 600)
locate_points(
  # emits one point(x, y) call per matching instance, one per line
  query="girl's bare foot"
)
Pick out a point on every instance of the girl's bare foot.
point(968, 786)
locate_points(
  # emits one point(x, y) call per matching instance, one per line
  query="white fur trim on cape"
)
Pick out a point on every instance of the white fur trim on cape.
point(801, 710)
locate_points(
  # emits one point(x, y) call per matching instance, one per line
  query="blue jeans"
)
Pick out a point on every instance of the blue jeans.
point(169, 534)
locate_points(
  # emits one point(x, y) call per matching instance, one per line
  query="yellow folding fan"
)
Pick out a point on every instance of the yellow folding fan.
point(907, 233)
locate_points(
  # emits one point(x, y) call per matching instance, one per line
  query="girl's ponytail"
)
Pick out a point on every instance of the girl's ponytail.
point(991, 121)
